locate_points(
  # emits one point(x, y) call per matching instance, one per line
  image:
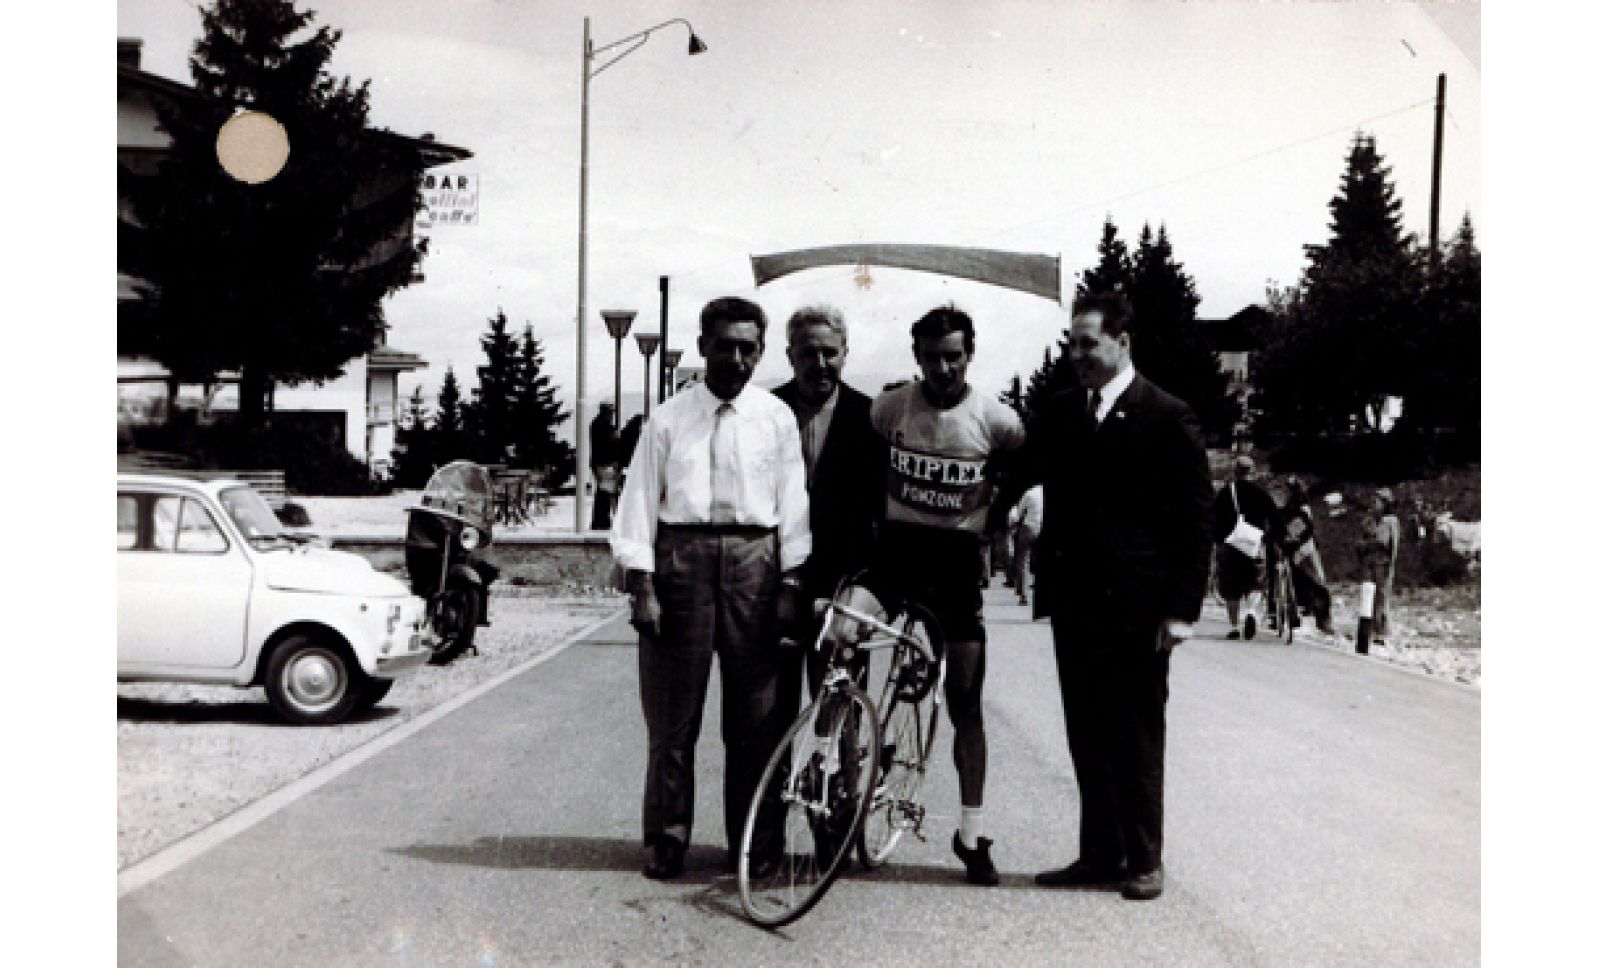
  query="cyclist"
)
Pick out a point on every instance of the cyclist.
point(1299, 546)
point(942, 435)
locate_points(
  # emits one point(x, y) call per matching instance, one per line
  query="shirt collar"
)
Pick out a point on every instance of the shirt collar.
point(1114, 389)
point(709, 402)
point(826, 407)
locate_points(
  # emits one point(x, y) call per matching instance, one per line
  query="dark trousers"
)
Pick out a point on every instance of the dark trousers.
point(600, 517)
point(1114, 694)
point(717, 590)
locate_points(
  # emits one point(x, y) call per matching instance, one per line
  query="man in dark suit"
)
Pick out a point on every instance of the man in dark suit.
point(1123, 561)
point(845, 462)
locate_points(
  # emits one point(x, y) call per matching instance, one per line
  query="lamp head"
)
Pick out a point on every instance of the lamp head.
point(648, 343)
point(618, 321)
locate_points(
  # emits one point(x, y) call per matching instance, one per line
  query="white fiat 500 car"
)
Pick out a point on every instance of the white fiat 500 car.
point(211, 589)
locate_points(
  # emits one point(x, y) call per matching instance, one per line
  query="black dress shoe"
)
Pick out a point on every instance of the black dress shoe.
point(1081, 873)
point(1144, 887)
point(666, 860)
point(980, 869)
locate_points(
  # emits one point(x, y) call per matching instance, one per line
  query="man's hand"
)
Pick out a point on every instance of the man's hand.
point(646, 610)
point(1173, 633)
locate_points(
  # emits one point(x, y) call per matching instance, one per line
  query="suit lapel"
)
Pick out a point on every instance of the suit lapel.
point(834, 443)
point(1126, 409)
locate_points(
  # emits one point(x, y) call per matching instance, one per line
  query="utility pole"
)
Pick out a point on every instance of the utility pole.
point(1438, 164)
point(664, 343)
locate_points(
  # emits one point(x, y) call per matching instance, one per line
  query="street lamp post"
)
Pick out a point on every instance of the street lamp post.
point(647, 345)
point(634, 42)
point(669, 360)
point(617, 323)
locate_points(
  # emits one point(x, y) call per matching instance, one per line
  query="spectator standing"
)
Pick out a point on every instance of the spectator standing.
point(1029, 515)
point(604, 454)
point(1377, 554)
point(845, 462)
point(1123, 559)
point(711, 531)
point(1239, 572)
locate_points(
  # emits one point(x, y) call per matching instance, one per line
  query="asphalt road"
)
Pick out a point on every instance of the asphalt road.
point(1321, 810)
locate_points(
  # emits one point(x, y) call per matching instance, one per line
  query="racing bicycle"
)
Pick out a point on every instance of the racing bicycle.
point(842, 780)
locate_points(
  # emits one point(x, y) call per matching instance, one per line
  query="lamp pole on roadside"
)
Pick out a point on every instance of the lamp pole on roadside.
point(617, 323)
point(590, 71)
point(647, 345)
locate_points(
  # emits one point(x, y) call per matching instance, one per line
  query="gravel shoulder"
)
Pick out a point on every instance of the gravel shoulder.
point(188, 756)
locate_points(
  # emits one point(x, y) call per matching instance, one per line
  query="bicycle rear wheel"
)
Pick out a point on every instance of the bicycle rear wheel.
point(811, 798)
point(910, 702)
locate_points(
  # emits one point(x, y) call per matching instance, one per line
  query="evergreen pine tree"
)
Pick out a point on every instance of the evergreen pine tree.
point(282, 281)
point(1446, 390)
point(451, 440)
point(1011, 396)
point(490, 418)
point(414, 440)
point(1169, 348)
point(536, 415)
point(1347, 334)
point(1114, 272)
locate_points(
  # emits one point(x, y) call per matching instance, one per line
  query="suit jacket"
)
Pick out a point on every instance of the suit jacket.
point(1127, 508)
point(846, 490)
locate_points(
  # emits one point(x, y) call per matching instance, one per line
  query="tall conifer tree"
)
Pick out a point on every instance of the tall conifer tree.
point(281, 281)
point(537, 415)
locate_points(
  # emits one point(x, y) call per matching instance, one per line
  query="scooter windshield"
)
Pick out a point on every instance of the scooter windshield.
point(462, 489)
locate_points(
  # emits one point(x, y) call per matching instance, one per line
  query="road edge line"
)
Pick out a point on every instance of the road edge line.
point(181, 851)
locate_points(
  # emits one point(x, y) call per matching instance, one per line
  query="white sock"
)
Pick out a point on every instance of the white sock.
point(971, 826)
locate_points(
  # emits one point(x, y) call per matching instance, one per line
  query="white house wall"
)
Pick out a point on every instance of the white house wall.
point(347, 393)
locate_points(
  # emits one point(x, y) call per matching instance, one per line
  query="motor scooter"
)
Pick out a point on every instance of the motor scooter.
point(446, 536)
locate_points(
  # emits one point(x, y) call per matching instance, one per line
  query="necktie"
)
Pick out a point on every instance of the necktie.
point(724, 477)
point(1094, 407)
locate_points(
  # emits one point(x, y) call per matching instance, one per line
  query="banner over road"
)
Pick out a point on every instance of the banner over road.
point(1026, 272)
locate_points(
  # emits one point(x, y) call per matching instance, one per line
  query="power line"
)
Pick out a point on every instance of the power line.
point(1255, 157)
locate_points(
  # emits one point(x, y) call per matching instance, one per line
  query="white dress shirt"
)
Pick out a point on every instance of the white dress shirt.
point(1030, 509)
point(1111, 391)
point(669, 480)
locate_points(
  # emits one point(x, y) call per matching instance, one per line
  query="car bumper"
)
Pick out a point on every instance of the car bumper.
point(415, 651)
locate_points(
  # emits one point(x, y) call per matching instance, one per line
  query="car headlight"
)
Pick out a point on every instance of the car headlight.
point(469, 538)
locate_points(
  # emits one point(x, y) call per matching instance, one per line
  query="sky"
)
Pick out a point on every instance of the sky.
point(1009, 125)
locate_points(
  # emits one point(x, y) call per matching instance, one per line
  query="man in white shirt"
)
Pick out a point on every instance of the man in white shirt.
point(1029, 514)
point(711, 527)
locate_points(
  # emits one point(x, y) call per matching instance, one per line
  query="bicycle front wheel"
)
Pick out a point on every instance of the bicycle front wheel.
point(808, 807)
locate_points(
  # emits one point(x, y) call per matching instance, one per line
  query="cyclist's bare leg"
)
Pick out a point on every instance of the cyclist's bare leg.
point(963, 689)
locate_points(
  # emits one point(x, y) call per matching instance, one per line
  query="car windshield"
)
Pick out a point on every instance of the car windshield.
point(253, 517)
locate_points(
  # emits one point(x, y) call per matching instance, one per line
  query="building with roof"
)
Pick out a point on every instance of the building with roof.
point(360, 408)
point(1234, 339)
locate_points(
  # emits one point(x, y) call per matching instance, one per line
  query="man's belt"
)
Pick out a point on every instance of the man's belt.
point(741, 530)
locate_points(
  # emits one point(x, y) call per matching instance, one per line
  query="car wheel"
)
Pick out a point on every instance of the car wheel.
point(312, 681)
